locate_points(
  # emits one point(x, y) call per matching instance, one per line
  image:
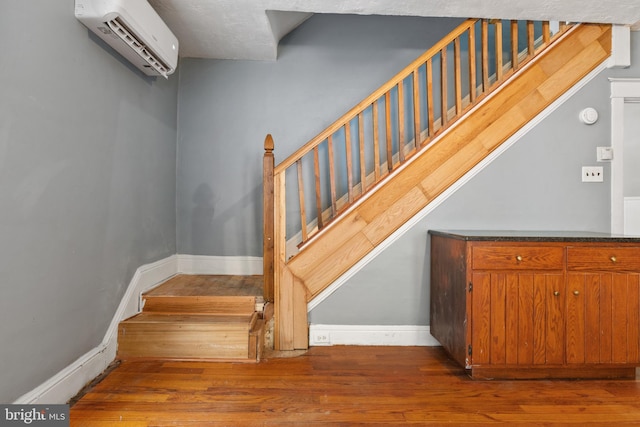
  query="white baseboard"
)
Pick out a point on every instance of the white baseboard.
point(69, 381)
point(388, 335)
point(200, 264)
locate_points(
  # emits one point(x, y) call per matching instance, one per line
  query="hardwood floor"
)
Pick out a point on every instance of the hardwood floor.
point(345, 386)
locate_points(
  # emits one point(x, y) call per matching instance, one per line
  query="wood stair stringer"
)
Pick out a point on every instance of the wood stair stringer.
point(353, 235)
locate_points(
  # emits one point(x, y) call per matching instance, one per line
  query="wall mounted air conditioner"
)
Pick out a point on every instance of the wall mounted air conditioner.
point(135, 30)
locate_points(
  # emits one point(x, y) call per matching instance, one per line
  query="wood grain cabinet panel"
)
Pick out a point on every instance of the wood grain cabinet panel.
point(532, 308)
point(517, 319)
point(602, 318)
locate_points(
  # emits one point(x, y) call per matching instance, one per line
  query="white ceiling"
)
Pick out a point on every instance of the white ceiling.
point(251, 29)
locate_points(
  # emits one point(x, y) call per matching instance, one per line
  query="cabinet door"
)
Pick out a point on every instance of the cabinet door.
point(518, 318)
point(603, 318)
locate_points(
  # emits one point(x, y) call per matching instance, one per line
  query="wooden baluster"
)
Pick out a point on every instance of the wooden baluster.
point(316, 170)
point(458, 77)
point(485, 55)
point(268, 223)
point(546, 33)
point(531, 41)
point(376, 142)
point(363, 165)
point(347, 141)
point(498, 38)
point(332, 176)
point(430, 118)
point(514, 45)
point(401, 121)
point(417, 120)
point(387, 118)
point(444, 103)
point(303, 212)
point(562, 26)
point(472, 63)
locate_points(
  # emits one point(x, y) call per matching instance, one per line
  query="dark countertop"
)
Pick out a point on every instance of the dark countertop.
point(535, 236)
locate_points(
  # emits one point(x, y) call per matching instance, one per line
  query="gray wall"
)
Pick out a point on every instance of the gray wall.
point(534, 185)
point(226, 108)
point(87, 183)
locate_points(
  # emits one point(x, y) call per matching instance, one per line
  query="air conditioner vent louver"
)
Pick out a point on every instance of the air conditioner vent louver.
point(121, 31)
point(135, 30)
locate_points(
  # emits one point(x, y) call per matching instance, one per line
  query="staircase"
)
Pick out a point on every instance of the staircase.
point(347, 207)
point(198, 318)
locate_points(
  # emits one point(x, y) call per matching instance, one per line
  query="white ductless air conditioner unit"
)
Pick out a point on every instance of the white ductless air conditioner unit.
point(135, 30)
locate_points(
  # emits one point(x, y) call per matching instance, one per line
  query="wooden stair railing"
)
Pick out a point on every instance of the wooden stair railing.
point(414, 112)
point(378, 135)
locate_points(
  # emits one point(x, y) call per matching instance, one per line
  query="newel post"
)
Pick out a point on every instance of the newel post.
point(268, 257)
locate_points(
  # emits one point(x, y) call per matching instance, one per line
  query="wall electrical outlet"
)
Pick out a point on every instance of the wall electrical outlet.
point(321, 338)
point(592, 174)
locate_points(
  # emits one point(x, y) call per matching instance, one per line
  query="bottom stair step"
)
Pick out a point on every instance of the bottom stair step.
point(186, 336)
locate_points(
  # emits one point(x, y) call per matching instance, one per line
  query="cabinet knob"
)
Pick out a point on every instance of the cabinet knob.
point(613, 259)
point(556, 293)
point(576, 293)
point(518, 258)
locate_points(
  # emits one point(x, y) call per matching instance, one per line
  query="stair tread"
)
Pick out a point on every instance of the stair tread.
point(204, 297)
point(210, 286)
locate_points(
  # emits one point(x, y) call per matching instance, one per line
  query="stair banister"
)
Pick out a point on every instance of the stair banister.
point(289, 161)
point(457, 93)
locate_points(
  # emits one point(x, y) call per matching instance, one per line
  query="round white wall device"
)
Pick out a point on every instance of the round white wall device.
point(589, 116)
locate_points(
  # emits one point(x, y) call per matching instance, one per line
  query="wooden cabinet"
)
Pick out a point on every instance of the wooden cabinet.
point(513, 305)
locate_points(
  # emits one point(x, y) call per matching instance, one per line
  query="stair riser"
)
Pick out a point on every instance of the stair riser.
point(180, 341)
point(201, 305)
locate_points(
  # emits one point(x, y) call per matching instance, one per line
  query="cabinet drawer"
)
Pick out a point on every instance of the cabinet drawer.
point(610, 259)
point(518, 258)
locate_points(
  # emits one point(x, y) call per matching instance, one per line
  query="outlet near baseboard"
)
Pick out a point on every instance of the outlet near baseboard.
point(320, 338)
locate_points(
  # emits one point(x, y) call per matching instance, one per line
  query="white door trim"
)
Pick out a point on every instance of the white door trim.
point(621, 90)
